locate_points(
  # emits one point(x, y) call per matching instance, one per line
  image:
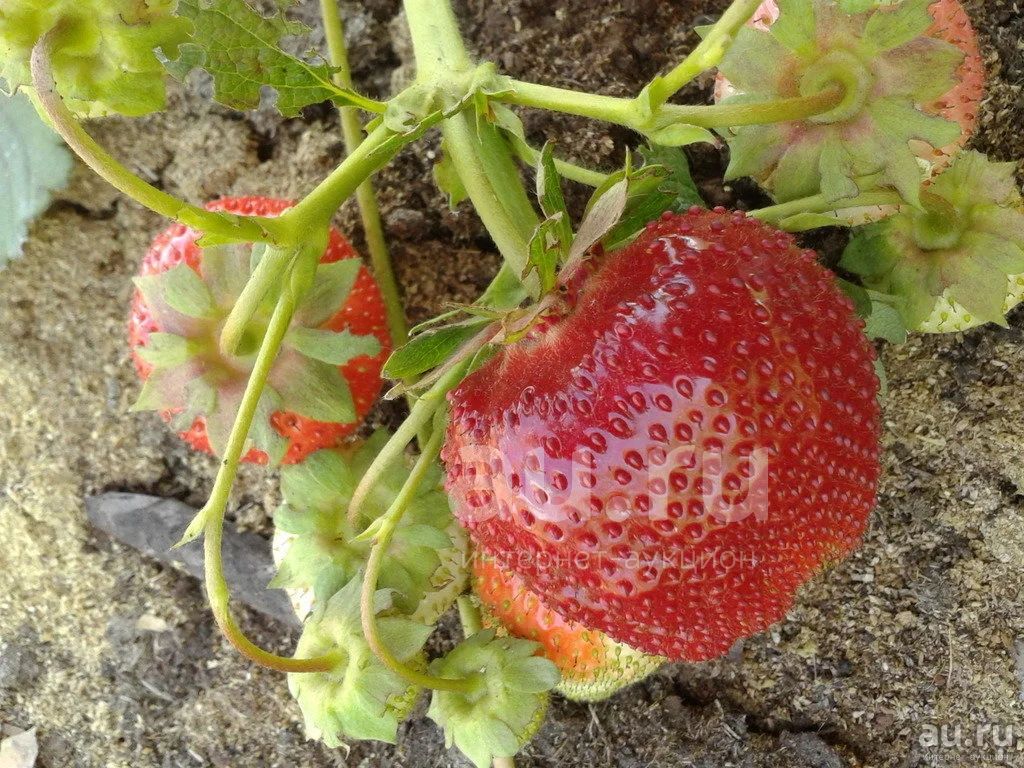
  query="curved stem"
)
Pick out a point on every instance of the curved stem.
point(389, 523)
point(708, 53)
point(567, 170)
point(212, 515)
point(320, 205)
point(625, 112)
point(352, 129)
point(227, 225)
point(419, 417)
point(821, 204)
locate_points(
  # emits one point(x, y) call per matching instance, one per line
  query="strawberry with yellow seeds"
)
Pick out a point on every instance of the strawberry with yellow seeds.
point(592, 665)
point(957, 262)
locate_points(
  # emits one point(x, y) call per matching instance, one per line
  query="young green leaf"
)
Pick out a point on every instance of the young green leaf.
point(33, 163)
point(430, 349)
point(242, 51)
point(662, 184)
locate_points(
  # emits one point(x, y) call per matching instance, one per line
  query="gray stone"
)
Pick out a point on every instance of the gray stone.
point(153, 526)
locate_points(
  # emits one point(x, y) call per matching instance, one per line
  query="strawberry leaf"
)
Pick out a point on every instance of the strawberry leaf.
point(360, 698)
point(313, 389)
point(242, 51)
point(331, 287)
point(331, 347)
point(33, 163)
point(429, 350)
point(103, 51)
point(507, 706)
point(446, 176)
point(662, 184)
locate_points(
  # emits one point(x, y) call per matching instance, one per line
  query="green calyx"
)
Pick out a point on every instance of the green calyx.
point(506, 706)
point(360, 698)
point(886, 68)
point(192, 377)
point(423, 569)
point(956, 262)
point(103, 52)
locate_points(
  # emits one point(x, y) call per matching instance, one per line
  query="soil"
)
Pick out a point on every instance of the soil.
point(113, 657)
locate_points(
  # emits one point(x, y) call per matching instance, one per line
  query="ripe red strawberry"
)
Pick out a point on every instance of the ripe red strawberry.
point(359, 312)
point(690, 443)
point(592, 665)
point(960, 104)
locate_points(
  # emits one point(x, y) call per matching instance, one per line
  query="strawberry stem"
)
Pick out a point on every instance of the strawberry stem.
point(226, 225)
point(212, 515)
point(387, 526)
point(707, 54)
point(419, 417)
point(625, 112)
point(352, 130)
point(482, 157)
point(821, 204)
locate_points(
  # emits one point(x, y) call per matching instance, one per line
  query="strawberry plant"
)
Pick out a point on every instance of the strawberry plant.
point(656, 424)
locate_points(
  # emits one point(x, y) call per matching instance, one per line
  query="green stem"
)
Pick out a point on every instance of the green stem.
point(708, 53)
point(320, 205)
point(821, 204)
point(382, 540)
point(226, 225)
point(626, 113)
point(419, 417)
point(567, 170)
point(212, 515)
point(352, 130)
point(482, 157)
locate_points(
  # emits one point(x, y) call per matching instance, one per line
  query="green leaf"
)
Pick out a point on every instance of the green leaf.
point(262, 434)
point(323, 483)
point(796, 26)
point(185, 292)
point(313, 389)
point(33, 163)
point(103, 52)
point(429, 350)
point(892, 27)
point(165, 350)
point(663, 184)
point(552, 201)
point(446, 176)
point(331, 288)
point(885, 322)
point(226, 270)
point(242, 50)
point(545, 251)
point(603, 213)
point(502, 714)
point(680, 135)
point(336, 348)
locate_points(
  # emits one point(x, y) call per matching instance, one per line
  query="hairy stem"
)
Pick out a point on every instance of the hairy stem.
point(212, 515)
point(352, 129)
point(382, 540)
point(626, 113)
point(821, 204)
point(482, 157)
point(419, 417)
point(227, 225)
point(707, 54)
